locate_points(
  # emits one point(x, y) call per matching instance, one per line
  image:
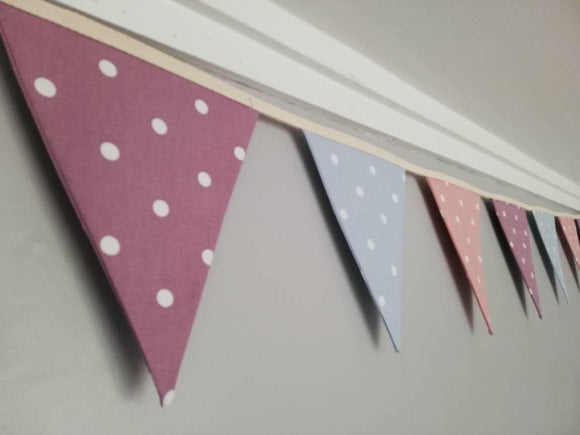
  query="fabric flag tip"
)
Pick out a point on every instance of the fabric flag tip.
point(167, 398)
point(367, 195)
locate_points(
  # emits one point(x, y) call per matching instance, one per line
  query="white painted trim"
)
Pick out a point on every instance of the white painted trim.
point(262, 42)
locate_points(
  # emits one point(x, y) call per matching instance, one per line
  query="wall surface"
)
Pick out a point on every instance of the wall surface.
point(286, 339)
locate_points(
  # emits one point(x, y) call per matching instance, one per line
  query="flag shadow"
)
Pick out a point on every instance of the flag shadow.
point(356, 281)
point(508, 255)
point(462, 284)
point(543, 254)
point(101, 296)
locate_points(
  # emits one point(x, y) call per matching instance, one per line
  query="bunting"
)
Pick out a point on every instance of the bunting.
point(515, 226)
point(461, 212)
point(547, 230)
point(149, 161)
point(569, 229)
point(367, 195)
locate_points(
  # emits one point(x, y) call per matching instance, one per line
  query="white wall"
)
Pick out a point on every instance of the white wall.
point(286, 339)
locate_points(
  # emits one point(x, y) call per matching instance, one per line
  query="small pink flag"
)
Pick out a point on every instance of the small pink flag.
point(514, 223)
point(149, 161)
point(571, 234)
point(461, 211)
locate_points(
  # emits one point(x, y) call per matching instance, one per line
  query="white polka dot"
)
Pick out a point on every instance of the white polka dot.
point(523, 260)
point(372, 170)
point(201, 107)
point(45, 87)
point(159, 126)
point(472, 222)
point(207, 256)
point(532, 275)
point(477, 206)
point(359, 191)
point(526, 233)
point(343, 214)
point(110, 245)
point(240, 153)
point(511, 244)
point(393, 270)
point(457, 219)
point(524, 245)
point(110, 151)
point(383, 218)
point(395, 198)
point(160, 208)
point(334, 159)
point(382, 301)
point(479, 258)
point(513, 230)
point(469, 240)
point(516, 217)
point(371, 244)
point(460, 203)
point(503, 213)
point(204, 179)
point(164, 298)
point(478, 279)
point(168, 398)
point(108, 68)
point(442, 198)
point(467, 258)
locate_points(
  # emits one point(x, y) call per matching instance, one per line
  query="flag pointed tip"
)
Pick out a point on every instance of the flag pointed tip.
point(167, 398)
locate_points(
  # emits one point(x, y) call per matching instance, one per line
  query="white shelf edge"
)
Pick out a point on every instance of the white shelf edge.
point(297, 64)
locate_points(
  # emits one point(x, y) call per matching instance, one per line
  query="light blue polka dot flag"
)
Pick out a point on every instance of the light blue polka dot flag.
point(547, 228)
point(367, 195)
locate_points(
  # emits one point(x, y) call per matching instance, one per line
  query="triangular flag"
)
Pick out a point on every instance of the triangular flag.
point(461, 211)
point(571, 234)
point(149, 161)
point(367, 195)
point(515, 226)
point(547, 229)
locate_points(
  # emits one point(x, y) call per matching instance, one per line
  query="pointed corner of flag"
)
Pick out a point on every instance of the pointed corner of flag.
point(166, 397)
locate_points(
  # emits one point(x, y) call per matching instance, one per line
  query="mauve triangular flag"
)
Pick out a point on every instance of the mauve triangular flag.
point(547, 229)
point(367, 195)
point(461, 211)
point(569, 230)
point(149, 161)
point(514, 224)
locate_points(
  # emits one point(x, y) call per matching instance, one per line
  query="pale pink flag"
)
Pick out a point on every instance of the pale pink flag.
point(461, 212)
point(571, 234)
point(149, 161)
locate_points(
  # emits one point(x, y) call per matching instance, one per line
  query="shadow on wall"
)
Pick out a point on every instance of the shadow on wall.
point(543, 253)
point(101, 296)
point(462, 284)
point(507, 255)
point(357, 284)
point(568, 252)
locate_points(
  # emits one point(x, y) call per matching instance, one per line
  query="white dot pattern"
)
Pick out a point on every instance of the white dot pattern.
point(547, 229)
point(367, 195)
point(460, 211)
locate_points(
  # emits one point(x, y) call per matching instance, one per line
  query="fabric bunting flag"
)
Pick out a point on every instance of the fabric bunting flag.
point(514, 224)
point(149, 161)
point(547, 229)
point(569, 230)
point(461, 211)
point(367, 195)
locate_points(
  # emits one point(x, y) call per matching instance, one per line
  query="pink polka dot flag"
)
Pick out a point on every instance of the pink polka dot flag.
point(461, 211)
point(514, 224)
point(149, 161)
point(571, 234)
